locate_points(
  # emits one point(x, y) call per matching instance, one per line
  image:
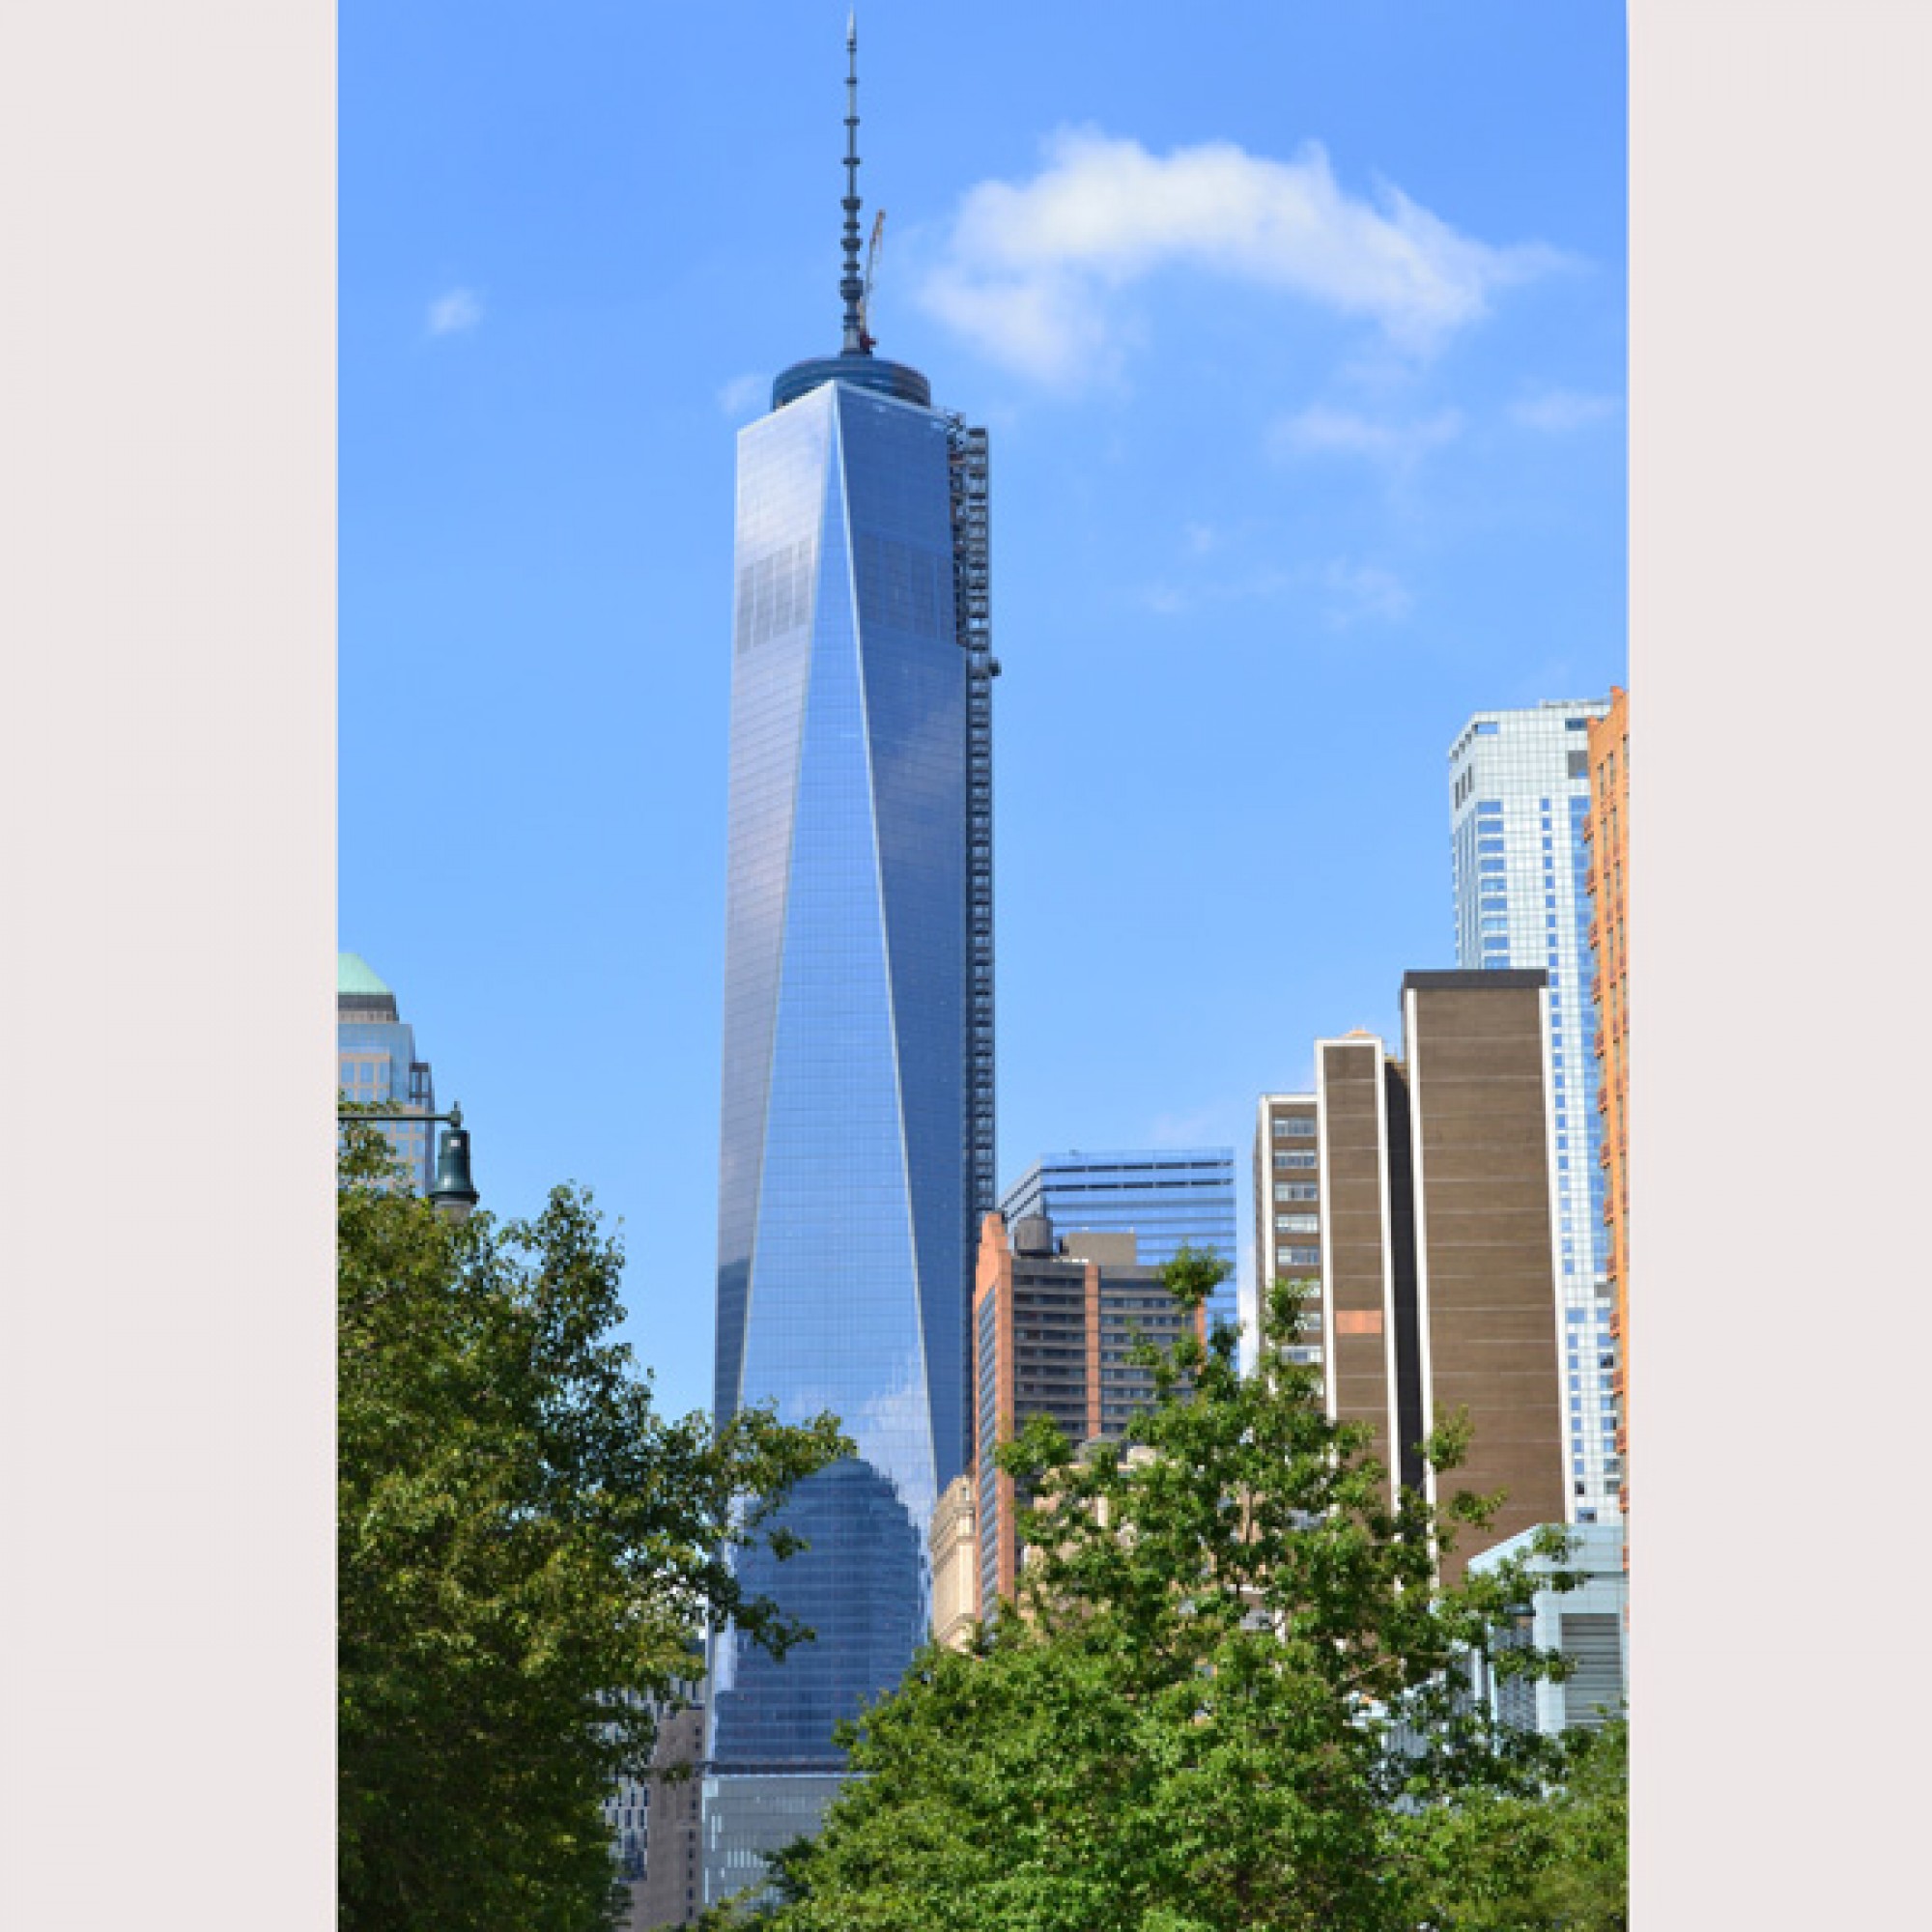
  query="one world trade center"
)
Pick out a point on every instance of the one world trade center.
point(857, 1129)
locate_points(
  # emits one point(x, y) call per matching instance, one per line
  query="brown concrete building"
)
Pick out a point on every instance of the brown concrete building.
point(1054, 1322)
point(671, 1890)
point(1605, 832)
point(1436, 1264)
point(1369, 1342)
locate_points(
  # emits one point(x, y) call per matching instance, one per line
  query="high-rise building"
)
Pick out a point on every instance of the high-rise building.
point(376, 1064)
point(1607, 831)
point(1056, 1321)
point(667, 1886)
point(856, 1135)
point(1166, 1198)
point(1520, 797)
point(1288, 1197)
point(1422, 1202)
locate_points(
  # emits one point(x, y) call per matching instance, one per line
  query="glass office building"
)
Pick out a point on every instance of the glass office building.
point(375, 1063)
point(1166, 1197)
point(856, 1122)
point(1520, 796)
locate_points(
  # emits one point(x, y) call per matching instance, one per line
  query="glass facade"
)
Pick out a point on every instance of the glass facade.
point(1520, 796)
point(1166, 1198)
point(376, 1064)
point(847, 1179)
point(748, 1818)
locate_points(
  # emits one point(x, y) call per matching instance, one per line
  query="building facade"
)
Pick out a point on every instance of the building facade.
point(1588, 1624)
point(1606, 833)
point(1056, 1320)
point(376, 1064)
point(1420, 1197)
point(1287, 1202)
point(1519, 799)
point(955, 1544)
point(666, 1872)
point(857, 1147)
point(1166, 1198)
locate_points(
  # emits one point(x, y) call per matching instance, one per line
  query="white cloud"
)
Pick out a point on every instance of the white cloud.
point(1364, 592)
point(1555, 411)
point(743, 395)
point(1321, 431)
point(454, 312)
point(1028, 267)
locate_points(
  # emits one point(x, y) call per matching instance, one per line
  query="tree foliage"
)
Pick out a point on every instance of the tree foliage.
point(527, 1551)
point(1545, 1862)
point(1229, 1696)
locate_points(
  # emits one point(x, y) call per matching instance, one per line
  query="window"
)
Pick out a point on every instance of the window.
point(1292, 1126)
point(1493, 844)
point(1578, 765)
point(1302, 1257)
point(1295, 1224)
point(1294, 1160)
point(1296, 1190)
point(1487, 728)
point(1491, 865)
point(1576, 724)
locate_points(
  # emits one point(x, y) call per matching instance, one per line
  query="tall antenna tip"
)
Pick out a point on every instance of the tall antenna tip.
point(852, 31)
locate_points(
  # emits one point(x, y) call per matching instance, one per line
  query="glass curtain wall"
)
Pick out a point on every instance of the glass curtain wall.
point(841, 1211)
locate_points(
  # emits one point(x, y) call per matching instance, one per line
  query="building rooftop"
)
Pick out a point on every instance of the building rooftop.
point(352, 975)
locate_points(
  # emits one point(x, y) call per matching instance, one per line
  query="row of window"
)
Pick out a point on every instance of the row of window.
point(1296, 1190)
point(1292, 1160)
point(1292, 1126)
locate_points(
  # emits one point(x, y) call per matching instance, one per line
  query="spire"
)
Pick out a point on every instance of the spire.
point(852, 286)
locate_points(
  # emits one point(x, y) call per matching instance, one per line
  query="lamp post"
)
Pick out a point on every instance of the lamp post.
point(452, 1193)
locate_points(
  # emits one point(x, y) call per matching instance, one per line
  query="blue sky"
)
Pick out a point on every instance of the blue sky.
point(1300, 332)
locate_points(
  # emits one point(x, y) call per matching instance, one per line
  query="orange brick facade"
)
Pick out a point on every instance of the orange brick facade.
point(1607, 833)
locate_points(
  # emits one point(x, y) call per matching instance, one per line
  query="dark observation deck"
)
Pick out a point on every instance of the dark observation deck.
point(861, 371)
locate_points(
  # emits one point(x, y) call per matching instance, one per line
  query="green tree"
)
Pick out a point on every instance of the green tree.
point(1557, 1862)
point(1229, 1696)
point(526, 1553)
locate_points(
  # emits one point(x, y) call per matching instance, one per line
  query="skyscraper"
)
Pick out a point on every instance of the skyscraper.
point(1519, 797)
point(1607, 831)
point(1056, 1322)
point(1421, 1209)
point(1166, 1198)
point(376, 1064)
point(856, 1135)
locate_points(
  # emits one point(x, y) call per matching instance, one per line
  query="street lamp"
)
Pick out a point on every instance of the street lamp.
point(452, 1193)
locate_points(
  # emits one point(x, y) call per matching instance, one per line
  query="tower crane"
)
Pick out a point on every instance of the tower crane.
point(866, 340)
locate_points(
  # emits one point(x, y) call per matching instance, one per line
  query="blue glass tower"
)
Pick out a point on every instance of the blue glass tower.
point(1167, 1198)
point(857, 1148)
point(1518, 796)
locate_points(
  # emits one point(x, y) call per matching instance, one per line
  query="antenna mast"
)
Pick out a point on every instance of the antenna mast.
point(852, 286)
